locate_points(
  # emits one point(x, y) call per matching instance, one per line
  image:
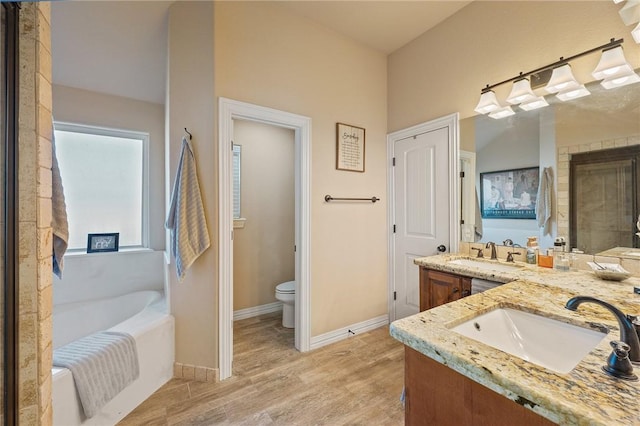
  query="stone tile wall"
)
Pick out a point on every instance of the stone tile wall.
point(35, 269)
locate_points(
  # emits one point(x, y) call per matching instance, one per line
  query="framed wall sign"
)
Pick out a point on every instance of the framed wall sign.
point(97, 243)
point(349, 147)
point(509, 194)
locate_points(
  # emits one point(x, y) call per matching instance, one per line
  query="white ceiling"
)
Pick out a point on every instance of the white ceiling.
point(119, 47)
point(383, 25)
point(114, 47)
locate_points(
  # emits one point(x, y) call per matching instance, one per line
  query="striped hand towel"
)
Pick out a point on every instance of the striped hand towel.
point(186, 220)
point(59, 221)
point(544, 200)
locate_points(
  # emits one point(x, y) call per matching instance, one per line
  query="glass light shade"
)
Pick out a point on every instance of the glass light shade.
point(538, 102)
point(612, 64)
point(630, 13)
point(618, 1)
point(636, 33)
point(488, 102)
point(521, 92)
point(571, 94)
point(610, 83)
point(502, 113)
point(561, 79)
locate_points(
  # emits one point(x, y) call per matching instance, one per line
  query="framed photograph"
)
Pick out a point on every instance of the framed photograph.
point(349, 148)
point(509, 194)
point(98, 243)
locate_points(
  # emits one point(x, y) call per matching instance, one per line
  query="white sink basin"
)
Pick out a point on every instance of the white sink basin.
point(486, 265)
point(548, 343)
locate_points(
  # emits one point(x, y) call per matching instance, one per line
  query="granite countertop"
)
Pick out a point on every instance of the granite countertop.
point(585, 395)
point(622, 252)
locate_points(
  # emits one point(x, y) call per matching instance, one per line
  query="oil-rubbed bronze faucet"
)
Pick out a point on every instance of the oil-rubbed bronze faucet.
point(491, 244)
point(627, 331)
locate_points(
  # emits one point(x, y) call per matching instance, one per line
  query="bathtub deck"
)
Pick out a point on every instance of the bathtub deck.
point(355, 381)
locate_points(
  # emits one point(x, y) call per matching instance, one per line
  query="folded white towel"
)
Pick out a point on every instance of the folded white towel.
point(59, 221)
point(186, 220)
point(102, 365)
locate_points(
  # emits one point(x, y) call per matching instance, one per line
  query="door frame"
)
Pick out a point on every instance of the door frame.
point(229, 110)
point(450, 121)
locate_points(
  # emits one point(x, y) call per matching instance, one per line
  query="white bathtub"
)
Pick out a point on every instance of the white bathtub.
point(141, 314)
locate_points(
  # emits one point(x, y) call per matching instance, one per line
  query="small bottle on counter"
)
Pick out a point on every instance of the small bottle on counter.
point(573, 258)
point(531, 256)
point(560, 260)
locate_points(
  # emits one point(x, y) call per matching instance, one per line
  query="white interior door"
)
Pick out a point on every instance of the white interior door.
point(424, 193)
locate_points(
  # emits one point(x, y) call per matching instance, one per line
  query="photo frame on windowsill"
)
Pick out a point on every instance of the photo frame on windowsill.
point(100, 243)
point(350, 147)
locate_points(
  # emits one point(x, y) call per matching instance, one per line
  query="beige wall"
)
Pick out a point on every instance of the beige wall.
point(444, 70)
point(591, 126)
point(190, 104)
point(98, 109)
point(263, 255)
point(35, 269)
point(264, 55)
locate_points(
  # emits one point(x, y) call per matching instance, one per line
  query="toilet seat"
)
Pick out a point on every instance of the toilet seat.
point(286, 288)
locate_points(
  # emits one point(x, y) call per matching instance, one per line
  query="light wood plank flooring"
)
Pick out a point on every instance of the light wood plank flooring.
point(356, 381)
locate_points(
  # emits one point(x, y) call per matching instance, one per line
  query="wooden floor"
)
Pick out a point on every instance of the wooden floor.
point(357, 381)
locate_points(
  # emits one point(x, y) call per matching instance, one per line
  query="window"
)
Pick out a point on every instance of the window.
point(237, 150)
point(104, 179)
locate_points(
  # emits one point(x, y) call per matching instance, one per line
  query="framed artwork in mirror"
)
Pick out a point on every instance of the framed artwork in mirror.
point(349, 147)
point(509, 194)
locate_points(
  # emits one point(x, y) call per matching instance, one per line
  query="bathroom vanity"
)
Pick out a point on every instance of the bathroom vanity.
point(438, 287)
point(453, 379)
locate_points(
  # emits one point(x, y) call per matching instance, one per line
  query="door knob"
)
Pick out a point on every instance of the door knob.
point(441, 248)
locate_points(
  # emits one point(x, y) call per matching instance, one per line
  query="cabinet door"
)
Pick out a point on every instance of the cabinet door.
point(442, 288)
point(424, 289)
point(466, 287)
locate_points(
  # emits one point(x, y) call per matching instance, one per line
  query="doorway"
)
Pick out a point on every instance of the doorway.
point(424, 194)
point(263, 239)
point(230, 110)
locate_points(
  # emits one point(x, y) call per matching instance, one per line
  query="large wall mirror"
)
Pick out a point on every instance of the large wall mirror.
point(605, 120)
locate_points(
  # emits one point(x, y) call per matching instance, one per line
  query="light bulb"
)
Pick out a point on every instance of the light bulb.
point(611, 71)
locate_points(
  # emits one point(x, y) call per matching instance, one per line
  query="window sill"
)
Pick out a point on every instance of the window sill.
point(75, 253)
point(239, 223)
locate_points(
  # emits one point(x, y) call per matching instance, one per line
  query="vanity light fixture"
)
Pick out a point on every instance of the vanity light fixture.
point(630, 13)
point(636, 33)
point(488, 102)
point(502, 112)
point(521, 92)
point(539, 102)
point(561, 79)
point(571, 94)
point(613, 70)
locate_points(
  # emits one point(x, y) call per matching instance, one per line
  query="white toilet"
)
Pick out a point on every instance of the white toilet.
point(286, 293)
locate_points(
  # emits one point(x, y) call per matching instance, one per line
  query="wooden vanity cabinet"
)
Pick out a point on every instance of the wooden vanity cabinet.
point(438, 288)
point(438, 395)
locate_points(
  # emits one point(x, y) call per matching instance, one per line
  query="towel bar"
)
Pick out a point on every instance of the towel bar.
point(328, 198)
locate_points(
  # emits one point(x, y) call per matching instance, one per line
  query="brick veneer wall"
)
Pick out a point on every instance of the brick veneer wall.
point(35, 269)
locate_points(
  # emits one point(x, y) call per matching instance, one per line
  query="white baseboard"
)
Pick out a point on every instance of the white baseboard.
point(346, 332)
point(257, 310)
